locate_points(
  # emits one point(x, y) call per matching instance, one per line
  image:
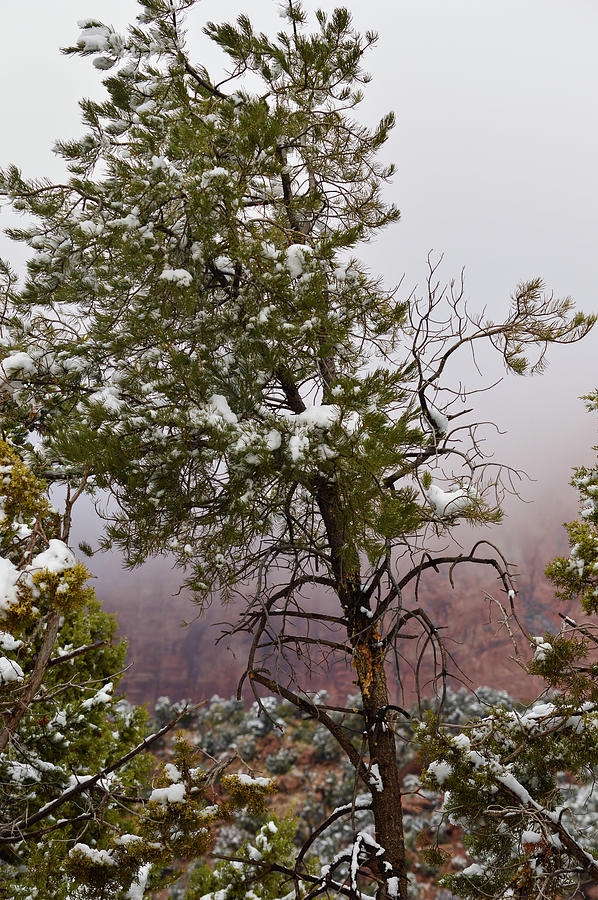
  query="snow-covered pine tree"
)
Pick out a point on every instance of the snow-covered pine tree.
point(522, 783)
point(197, 331)
point(78, 816)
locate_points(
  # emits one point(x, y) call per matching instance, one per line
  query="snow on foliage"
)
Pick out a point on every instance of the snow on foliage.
point(94, 38)
point(541, 648)
point(57, 558)
point(98, 857)
point(219, 405)
point(174, 793)
point(251, 780)
point(70, 750)
point(296, 259)
point(441, 770)
point(10, 671)
point(8, 642)
point(447, 504)
point(177, 276)
point(9, 582)
point(137, 888)
point(322, 416)
point(18, 362)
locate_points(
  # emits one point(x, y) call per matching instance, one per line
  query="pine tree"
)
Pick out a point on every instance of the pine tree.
point(197, 334)
point(522, 782)
point(61, 724)
point(77, 811)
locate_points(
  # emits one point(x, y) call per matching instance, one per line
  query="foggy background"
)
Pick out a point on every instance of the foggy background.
point(496, 147)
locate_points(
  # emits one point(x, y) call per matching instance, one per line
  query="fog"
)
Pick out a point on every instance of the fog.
point(495, 145)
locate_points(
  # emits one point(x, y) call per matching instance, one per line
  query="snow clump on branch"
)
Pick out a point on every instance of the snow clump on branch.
point(448, 503)
point(57, 558)
point(9, 578)
point(296, 258)
point(18, 362)
point(10, 671)
point(439, 420)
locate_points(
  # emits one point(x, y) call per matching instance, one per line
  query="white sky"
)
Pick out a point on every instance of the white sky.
point(496, 148)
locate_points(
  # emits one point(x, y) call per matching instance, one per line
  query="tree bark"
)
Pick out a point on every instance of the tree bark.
point(31, 688)
point(368, 659)
point(386, 803)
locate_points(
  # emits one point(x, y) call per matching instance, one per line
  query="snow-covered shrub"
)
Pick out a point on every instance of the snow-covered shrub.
point(327, 747)
point(280, 762)
point(166, 709)
point(246, 747)
point(79, 814)
point(262, 719)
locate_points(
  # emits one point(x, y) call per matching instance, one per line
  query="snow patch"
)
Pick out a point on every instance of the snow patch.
point(273, 439)
point(318, 416)
point(531, 837)
point(448, 503)
point(172, 773)
point(94, 38)
point(137, 889)
point(56, 559)
point(10, 671)
point(18, 362)
point(296, 257)
point(90, 228)
point(179, 276)
point(8, 642)
point(209, 174)
point(462, 742)
point(473, 870)
point(124, 839)
point(174, 793)
point(108, 397)
point(439, 420)
point(99, 857)
point(248, 779)
point(542, 648)
point(219, 405)
point(104, 695)
point(392, 886)
point(441, 770)
point(375, 778)
point(9, 583)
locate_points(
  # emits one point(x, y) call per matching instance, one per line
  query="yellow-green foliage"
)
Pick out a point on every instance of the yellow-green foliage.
point(175, 822)
point(23, 495)
point(254, 876)
point(249, 792)
point(75, 728)
point(66, 590)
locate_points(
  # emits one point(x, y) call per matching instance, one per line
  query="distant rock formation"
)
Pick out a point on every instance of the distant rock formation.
point(170, 658)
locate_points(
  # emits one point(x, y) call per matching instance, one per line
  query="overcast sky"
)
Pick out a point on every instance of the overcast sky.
point(496, 148)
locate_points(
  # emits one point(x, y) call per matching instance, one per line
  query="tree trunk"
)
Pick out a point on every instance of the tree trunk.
point(368, 659)
point(25, 698)
point(386, 802)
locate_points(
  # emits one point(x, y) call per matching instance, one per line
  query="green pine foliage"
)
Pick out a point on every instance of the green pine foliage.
point(202, 234)
point(576, 577)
